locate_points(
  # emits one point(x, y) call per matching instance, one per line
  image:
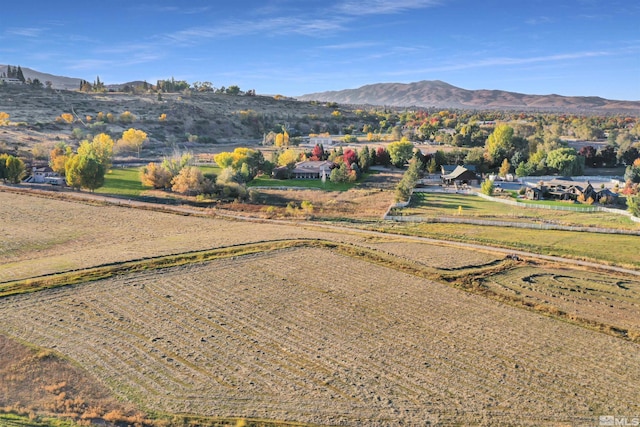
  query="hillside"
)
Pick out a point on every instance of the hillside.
point(199, 118)
point(57, 82)
point(436, 93)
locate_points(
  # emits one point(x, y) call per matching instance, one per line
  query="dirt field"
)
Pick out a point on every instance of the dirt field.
point(44, 236)
point(601, 297)
point(277, 335)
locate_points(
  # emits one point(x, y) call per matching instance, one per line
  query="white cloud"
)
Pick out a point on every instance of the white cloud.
point(267, 27)
point(25, 32)
point(382, 7)
point(506, 61)
point(351, 45)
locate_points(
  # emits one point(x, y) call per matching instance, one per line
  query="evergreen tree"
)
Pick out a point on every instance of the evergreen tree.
point(19, 75)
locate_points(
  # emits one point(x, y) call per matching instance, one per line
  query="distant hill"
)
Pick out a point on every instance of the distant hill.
point(436, 93)
point(57, 82)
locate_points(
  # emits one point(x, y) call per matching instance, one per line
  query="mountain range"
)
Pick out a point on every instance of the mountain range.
point(426, 93)
point(436, 93)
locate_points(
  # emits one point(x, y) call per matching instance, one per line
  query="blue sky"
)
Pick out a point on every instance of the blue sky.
point(572, 47)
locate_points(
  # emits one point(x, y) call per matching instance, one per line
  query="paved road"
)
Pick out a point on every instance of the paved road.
point(195, 211)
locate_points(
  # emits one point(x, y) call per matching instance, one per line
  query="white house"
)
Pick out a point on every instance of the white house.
point(45, 175)
point(320, 140)
point(10, 81)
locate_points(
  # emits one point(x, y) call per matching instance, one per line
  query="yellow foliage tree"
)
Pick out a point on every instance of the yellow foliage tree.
point(190, 181)
point(58, 157)
point(504, 168)
point(101, 148)
point(154, 175)
point(288, 157)
point(4, 118)
point(132, 139)
point(163, 117)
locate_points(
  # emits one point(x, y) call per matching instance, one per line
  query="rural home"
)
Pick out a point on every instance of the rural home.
point(312, 170)
point(460, 175)
point(10, 81)
point(566, 188)
point(447, 169)
point(321, 140)
point(45, 175)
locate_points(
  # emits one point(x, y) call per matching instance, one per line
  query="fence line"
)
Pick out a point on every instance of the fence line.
point(537, 226)
point(560, 208)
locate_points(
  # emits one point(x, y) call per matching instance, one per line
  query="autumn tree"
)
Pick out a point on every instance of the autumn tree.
point(382, 157)
point(58, 157)
point(4, 118)
point(317, 153)
point(87, 168)
point(400, 152)
point(245, 160)
point(632, 172)
point(84, 171)
point(350, 157)
point(504, 168)
point(100, 148)
point(154, 175)
point(499, 145)
point(132, 139)
point(191, 181)
point(288, 158)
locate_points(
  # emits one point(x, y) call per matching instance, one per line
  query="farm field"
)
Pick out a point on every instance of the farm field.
point(441, 204)
point(258, 336)
point(605, 298)
point(44, 236)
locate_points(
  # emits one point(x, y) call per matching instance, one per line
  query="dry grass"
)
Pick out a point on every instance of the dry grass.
point(430, 255)
point(37, 382)
point(593, 296)
point(353, 343)
point(45, 236)
point(354, 204)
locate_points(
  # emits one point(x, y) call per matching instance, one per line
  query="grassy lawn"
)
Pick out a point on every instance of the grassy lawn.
point(467, 206)
point(609, 249)
point(122, 182)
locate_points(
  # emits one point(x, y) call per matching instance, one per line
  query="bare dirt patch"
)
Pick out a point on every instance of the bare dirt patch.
point(350, 343)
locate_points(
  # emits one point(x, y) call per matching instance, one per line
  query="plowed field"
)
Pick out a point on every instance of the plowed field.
point(310, 335)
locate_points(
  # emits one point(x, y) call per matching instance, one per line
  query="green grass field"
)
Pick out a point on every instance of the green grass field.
point(122, 182)
point(126, 181)
point(436, 205)
point(615, 249)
